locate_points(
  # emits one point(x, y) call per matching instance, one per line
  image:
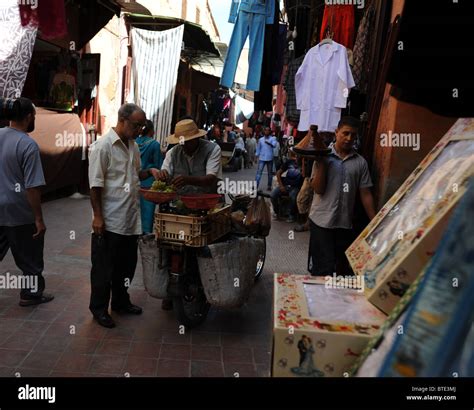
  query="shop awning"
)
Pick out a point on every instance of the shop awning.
point(213, 65)
point(197, 42)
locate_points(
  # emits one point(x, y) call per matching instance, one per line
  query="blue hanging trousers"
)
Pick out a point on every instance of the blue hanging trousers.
point(247, 24)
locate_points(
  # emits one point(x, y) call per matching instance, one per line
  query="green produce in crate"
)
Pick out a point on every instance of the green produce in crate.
point(180, 205)
point(161, 186)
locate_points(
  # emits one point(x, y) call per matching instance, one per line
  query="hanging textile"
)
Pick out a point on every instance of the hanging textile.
point(341, 22)
point(431, 70)
point(264, 96)
point(292, 111)
point(243, 110)
point(155, 65)
point(362, 47)
point(322, 86)
point(16, 48)
point(48, 16)
point(250, 18)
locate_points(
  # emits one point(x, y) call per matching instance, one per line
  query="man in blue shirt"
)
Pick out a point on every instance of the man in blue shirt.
point(264, 155)
point(288, 185)
point(22, 227)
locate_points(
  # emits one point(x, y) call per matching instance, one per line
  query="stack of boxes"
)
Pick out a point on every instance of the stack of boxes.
point(312, 335)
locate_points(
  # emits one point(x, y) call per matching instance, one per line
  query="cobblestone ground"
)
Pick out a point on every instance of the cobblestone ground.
point(61, 339)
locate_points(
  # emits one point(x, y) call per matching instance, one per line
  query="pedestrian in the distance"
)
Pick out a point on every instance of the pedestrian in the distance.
point(114, 177)
point(264, 154)
point(22, 228)
point(251, 145)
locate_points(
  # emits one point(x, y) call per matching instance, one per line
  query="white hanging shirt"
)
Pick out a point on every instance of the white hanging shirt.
point(322, 85)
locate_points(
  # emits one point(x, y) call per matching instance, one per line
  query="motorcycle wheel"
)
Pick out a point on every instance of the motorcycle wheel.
point(261, 260)
point(192, 307)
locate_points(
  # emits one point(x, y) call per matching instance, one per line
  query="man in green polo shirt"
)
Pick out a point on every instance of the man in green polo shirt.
point(336, 181)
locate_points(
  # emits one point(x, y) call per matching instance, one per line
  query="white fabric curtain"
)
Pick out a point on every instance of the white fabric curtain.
point(156, 56)
point(16, 48)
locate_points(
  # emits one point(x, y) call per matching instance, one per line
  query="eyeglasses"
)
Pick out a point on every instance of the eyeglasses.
point(137, 125)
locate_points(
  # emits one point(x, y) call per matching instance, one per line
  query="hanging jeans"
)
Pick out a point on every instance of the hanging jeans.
point(247, 24)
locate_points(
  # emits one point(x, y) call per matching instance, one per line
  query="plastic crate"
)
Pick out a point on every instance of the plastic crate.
point(194, 231)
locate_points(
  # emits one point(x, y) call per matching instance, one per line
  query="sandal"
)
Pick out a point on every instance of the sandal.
point(45, 298)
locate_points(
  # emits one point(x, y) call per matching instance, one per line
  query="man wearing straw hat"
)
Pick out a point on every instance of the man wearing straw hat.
point(192, 166)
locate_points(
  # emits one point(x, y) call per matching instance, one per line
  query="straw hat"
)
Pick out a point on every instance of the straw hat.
point(185, 130)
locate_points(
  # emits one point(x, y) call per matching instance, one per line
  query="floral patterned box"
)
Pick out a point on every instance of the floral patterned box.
point(319, 331)
point(393, 249)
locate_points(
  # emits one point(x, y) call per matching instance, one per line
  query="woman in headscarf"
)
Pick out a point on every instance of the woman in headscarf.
point(150, 152)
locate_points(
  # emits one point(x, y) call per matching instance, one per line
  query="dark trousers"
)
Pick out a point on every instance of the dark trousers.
point(327, 250)
point(261, 166)
point(114, 259)
point(292, 193)
point(27, 253)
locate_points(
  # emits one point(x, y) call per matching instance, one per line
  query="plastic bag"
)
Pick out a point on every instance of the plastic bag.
point(305, 197)
point(258, 219)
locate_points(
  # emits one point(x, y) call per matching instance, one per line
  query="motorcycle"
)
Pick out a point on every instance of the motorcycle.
point(180, 260)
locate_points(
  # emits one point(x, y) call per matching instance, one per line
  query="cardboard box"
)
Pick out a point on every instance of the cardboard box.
point(315, 334)
point(402, 238)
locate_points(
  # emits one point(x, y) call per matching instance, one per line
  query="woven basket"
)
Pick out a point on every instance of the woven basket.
point(154, 278)
point(228, 271)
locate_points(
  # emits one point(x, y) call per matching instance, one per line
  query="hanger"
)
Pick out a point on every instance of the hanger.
point(329, 36)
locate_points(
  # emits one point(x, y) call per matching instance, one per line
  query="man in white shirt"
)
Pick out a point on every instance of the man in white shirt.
point(114, 178)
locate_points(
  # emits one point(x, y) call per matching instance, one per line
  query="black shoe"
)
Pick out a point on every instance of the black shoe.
point(167, 304)
point(44, 298)
point(129, 310)
point(104, 319)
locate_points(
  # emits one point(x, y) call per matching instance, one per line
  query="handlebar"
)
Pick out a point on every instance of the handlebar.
point(261, 193)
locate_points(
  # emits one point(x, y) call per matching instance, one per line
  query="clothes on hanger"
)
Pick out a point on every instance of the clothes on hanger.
point(265, 7)
point(322, 85)
point(250, 18)
point(340, 19)
point(270, 64)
